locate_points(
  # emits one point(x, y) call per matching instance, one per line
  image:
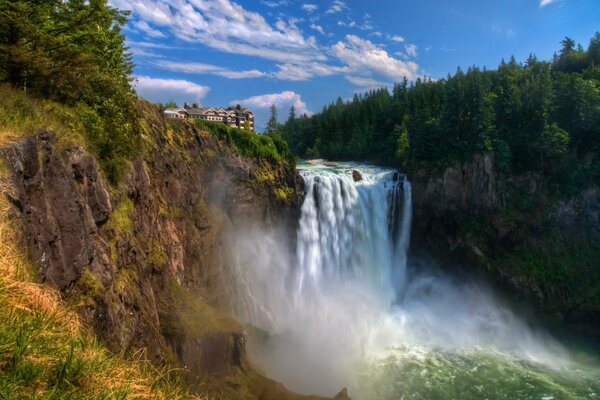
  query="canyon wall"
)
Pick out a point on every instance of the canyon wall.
point(143, 261)
point(540, 245)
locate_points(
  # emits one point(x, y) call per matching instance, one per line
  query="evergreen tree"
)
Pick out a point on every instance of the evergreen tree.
point(536, 116)
point(272, 124)
point(72, 51)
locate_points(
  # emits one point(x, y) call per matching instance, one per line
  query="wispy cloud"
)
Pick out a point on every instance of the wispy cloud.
point(274, 4)
point(366, 82)
point(148, 30)
point(161, 90)
point(226, 26)
point(138, 52)
point(336, 7)
point(151, 45)
point(310, 7)
point(294, 72)
point(544, 3)
point(317, 28)
point(396, 38)
point(411, 50)
point(199, 68)
point(280, 100)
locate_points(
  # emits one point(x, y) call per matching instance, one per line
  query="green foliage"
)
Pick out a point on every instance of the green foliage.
point(157, 255)
point(569, 264)
point(89, 287)
point(284, 194)
point(120, 218)
point(538, 116)
point(403, 147)
point(193, 316)
point(73, 52)
point(502, 155)
point(271, 147)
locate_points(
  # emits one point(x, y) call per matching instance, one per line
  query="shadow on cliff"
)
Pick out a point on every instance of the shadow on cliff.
point(143, 262)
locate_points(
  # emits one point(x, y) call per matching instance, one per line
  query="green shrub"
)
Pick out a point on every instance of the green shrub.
point(270, 147)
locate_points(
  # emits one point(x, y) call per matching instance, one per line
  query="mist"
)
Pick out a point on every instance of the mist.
point(344, 295)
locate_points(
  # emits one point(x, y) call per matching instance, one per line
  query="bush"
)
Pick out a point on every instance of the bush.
point(270, 147)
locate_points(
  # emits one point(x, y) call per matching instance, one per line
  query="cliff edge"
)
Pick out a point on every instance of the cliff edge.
point(141, 261)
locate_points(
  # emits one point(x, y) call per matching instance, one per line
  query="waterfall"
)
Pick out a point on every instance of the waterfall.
point(354, 231)
point(343, 297)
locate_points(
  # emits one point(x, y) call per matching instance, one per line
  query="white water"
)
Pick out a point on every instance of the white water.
point(347, 297)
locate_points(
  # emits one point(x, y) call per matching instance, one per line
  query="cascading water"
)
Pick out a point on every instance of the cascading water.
point(353, 231)
point(347, 310)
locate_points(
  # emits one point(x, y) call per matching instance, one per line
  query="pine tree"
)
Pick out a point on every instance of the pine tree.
point(272, 124)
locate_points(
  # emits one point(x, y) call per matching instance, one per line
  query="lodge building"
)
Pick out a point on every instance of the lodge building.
point(234, 117)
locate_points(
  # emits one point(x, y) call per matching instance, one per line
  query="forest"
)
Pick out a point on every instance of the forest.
point(536, 116)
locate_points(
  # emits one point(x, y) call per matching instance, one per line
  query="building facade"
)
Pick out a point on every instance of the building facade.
point(234, 117)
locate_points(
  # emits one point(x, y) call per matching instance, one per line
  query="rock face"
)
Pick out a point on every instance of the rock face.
point(143, 262)
point(469, 186)
point(500, 224)
point(62, 208)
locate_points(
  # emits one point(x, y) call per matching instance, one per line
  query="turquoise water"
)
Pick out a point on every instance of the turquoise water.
point(352, 309)
point(413, 373)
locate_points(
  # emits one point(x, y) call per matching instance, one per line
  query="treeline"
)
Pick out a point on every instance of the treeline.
point(536, 116)
point(72, 52)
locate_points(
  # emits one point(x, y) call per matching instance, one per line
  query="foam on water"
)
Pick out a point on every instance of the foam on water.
point(343, 303)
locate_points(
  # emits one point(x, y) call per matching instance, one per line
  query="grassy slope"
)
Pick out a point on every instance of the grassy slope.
point(45, 352)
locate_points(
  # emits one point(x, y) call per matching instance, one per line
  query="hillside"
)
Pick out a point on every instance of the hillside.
point(141, 261)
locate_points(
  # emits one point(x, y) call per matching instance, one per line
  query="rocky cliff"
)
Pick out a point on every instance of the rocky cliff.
point(540, 245)
point(143, 261)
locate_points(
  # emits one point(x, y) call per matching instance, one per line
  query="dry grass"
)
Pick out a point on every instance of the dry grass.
point(45, 353)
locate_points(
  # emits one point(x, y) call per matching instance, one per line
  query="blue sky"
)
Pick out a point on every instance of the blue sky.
point(307, 53)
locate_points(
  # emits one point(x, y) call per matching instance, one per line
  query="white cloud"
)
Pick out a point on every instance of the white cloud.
point(317, 28)
point(148, 30)
point(136, 51)
point(366, 82)
point(411, 50)
point(396, 38)
point(336, 7)
point(310, 7)
point(360, 55)
point(367, 26)
point(280, 100)
point(151, 45)
point(162, 90)
point(544, 3)
point(199, 68)
point(225, 26)
point(274, 4)
point(295, 72)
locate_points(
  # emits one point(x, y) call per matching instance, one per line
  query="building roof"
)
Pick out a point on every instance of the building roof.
point(237, 111)
point(175, 110)
point(240, 110)
point(198, 111)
